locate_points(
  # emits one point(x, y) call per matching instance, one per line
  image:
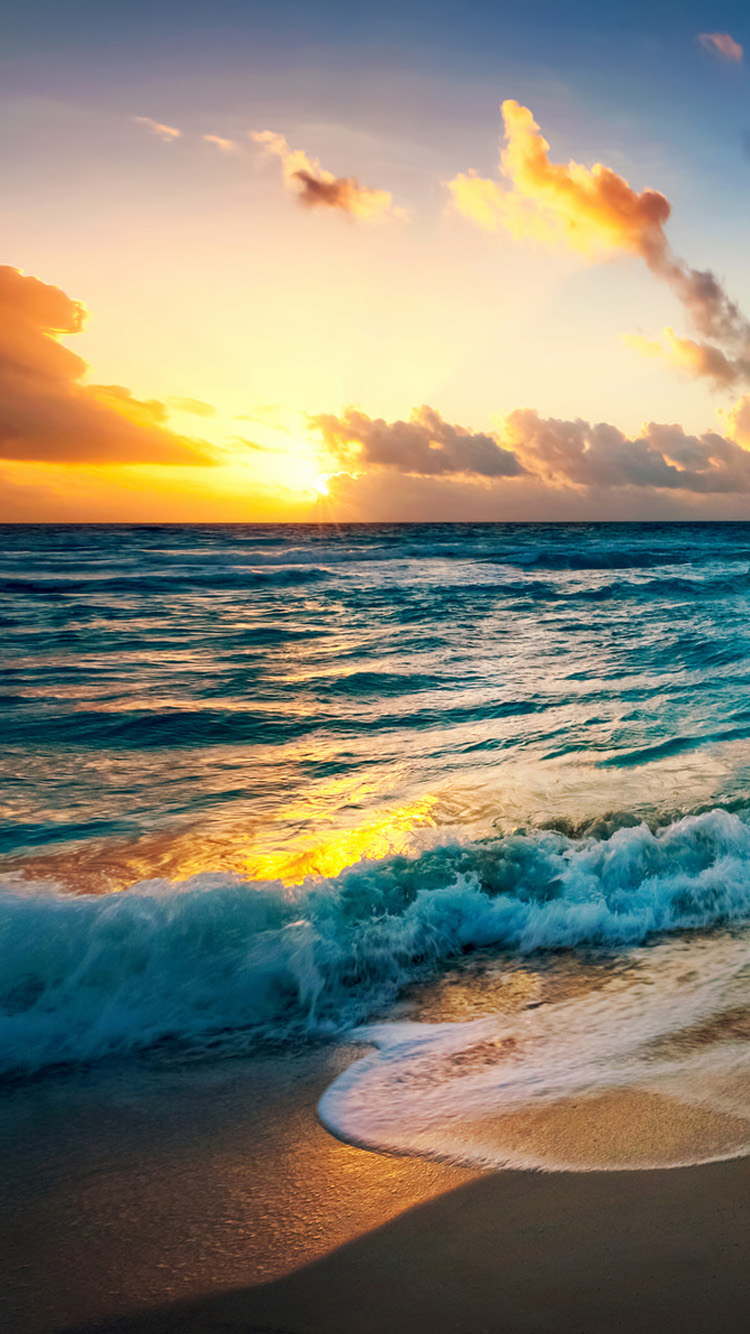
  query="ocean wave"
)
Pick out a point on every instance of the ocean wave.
point(660, 586)
point(142, 582)
point(611, 558)
point(86, 976)
point(470, 578)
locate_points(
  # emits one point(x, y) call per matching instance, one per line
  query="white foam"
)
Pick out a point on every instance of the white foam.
point(555, 1087)
point(83, 976)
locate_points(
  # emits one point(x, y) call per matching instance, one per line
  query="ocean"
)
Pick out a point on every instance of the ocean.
point(475, 798)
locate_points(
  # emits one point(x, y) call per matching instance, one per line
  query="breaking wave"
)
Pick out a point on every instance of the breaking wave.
point(86, 976)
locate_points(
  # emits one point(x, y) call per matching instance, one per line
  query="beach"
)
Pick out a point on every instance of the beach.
point(136, 1187)
point(522, 1254)
point(360, 970)
point(212, 1200)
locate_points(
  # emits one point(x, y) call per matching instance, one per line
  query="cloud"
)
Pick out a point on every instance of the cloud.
point(425, 446)
point(696, 359)
point(373, 497)
point(257, 448)
point(196, 406)
point(663, 457)
point(531, 453)
point(317, 188)
point(223, 145)
point(736, 421)
point(594, 210)
point(271, 415)
point(589, 209)
point(166, 132)
point(720, 43)
point(46, 414)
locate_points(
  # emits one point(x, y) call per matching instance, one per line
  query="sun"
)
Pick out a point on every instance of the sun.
point(320, 485)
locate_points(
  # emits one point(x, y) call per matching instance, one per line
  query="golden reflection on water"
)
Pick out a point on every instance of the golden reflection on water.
point(387, 833)
point(322, 827)
point(274, 851)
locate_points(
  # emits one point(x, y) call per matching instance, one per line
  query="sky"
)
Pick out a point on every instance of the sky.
point(405, 261)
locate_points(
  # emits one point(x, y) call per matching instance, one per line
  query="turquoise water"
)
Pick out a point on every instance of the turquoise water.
point(263, 782)
point(154, 677)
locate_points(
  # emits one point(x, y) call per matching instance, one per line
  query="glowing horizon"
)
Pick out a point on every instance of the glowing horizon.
point(279, 324)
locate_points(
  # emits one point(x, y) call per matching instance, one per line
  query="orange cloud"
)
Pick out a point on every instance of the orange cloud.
point(166, 132)
point(720, 43)
point(46, 414)
point(587, 208)
point(317, 188)
point(736, 421)
point(595, 210)
point(425, 446)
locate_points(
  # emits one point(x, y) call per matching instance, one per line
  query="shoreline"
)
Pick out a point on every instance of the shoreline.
point(158, 1199)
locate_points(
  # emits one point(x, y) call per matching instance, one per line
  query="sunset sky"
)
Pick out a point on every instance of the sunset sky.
point(316, 261)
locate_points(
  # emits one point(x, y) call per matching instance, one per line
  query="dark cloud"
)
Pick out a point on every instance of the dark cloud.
point(317, 188)
point(425, 446)
point(698, 359)
point(710, 310)
point(602, 457)
point(533, 463)
point(343, 192)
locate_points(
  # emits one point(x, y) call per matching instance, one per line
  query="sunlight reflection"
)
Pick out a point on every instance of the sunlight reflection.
point(387, 833)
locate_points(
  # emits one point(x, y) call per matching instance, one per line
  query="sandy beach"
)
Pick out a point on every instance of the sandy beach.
point(147, 1199)
point(512, 1253)
point(130, 1188)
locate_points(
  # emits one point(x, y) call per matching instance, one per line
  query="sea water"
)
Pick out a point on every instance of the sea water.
point(475, 796)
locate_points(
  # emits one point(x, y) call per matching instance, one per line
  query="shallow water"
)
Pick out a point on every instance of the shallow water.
point(270, 783)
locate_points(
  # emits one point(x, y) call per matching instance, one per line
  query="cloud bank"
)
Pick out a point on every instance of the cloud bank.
point(46, 414)
point(544, 454)
point(594, 210)
point(317, 188)
point(662, 457)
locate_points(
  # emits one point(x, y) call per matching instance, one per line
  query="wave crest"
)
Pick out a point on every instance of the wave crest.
point(85, 976)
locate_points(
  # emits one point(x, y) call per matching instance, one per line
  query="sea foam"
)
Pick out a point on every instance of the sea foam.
point(650, 1068)
point(84, 976)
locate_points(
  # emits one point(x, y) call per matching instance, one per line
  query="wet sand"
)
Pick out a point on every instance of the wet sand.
point(140, 1185)
point(208, 1198)
point(583, 1254)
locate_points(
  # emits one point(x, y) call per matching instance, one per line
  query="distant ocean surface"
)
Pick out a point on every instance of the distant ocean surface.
point(484, 789)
